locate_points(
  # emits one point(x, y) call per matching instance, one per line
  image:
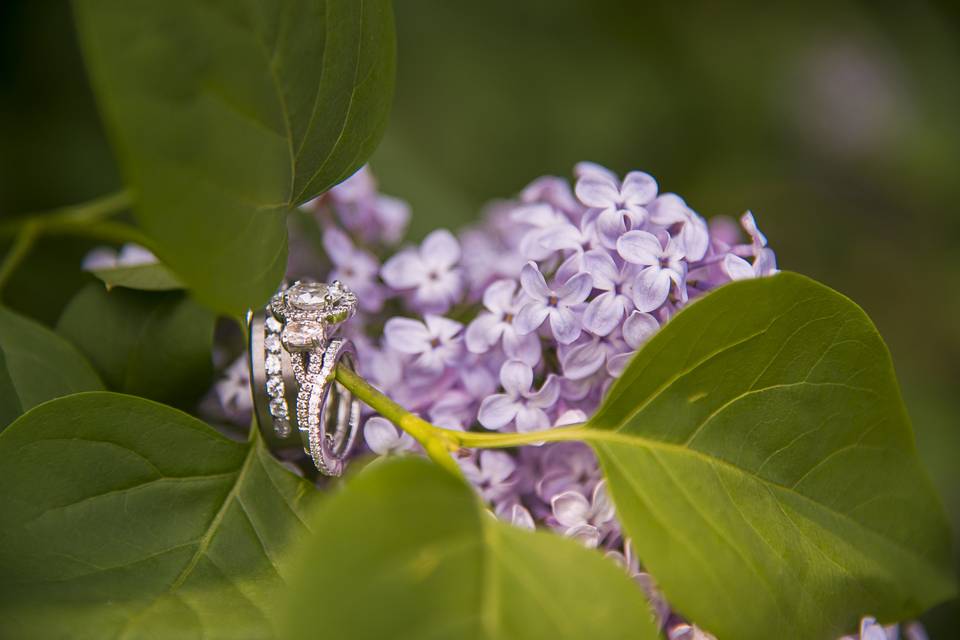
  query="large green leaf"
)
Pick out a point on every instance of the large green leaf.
point(226, 113)
point(407, 551)
point(156, 345)
point(761, 458)
point(120, 517)
point(37, 365)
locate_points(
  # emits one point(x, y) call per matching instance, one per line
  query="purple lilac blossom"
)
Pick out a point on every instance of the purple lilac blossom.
point(522, 323)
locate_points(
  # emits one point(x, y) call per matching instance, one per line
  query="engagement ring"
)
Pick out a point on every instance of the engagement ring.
point(294, 352)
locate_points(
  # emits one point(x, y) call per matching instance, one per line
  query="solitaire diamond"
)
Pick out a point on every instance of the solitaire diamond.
point(307, 296)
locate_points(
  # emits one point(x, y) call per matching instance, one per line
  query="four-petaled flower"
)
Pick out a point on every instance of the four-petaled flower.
point(503, 302)
point(585, 520)
point(436, 341)
point(662, 264)
point(606, 310)
point(621, 205)
point(430, 272)
point(555, 304)
point(519, 403)
point(491, 473)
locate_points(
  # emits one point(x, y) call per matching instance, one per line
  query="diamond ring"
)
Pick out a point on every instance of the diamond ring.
point(294, 352)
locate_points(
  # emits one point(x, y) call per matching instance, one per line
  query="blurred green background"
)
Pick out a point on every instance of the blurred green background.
point(836, 123)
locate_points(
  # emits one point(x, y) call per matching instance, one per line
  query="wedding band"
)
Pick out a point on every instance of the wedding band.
point(293, 359)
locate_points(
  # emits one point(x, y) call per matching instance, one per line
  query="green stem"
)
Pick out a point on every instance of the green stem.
point(18, 252)
point(439, 442)
point(71, 216)
point(87, 220)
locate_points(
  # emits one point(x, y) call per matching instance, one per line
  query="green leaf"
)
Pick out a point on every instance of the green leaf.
point(145, 277)
point(37, 365)
point(760, 457)
point(407, 551)
point(155, 345)
point(225, 114)
point(124, 518)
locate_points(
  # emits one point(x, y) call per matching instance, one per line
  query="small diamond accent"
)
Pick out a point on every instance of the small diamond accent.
point(275, 386)
point(273, 365)
point(273, 325)
point(278, 408)
point(272, 342)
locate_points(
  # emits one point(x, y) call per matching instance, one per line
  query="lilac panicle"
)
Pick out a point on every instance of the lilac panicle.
point(522, 323)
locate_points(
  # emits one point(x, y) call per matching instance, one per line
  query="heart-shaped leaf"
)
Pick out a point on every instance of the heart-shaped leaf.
point(37, 365)
point(761, 459)
point(407, 551)
point(155, 345)
point(120, 517)
point(226, 113)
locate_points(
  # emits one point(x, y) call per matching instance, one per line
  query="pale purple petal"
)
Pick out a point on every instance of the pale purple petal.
point(765, 264)
point(565, 236)
point(750, 226)
point(582, 360)
point(393, 215)
point(483, 333)
point(405, 270)
point(638, 188)
point(564, 324)
point(737, 268)
point(132, 255)
point(638, 328)
point(604, 313)
point(338, 246)
point(498, 296)
point(100, 258)
point(519, 517)
point(406, 335)
point(525, 348)
point(651, 288)
point(497, 411)
point(668, 209)
point(576, 289)
point(440, 249)
point(531, 419)
point(694, 237)
point(596, 190)
point(592, 169)
point(611, 224)
point(570, 508)
point(602, 268)
point(586, 534)
point(548, 394)
point(639, 247)
point(380, 435)
point(533, 283)
point(603, 510)
point(516, 378)
point(530, 317)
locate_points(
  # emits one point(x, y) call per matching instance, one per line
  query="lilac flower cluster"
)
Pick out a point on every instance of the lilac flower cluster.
point(521, 324)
